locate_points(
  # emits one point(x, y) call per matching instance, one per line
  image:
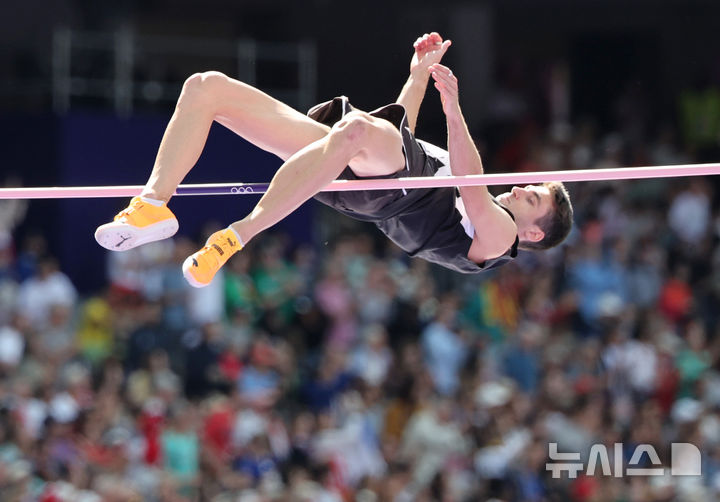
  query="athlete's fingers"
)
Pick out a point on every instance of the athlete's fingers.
point(440, 68)
point(446, 84)
point(445, 46)
point(444, 81)
point(443, 73)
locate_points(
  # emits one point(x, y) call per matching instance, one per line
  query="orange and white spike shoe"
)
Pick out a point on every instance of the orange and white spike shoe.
point(200, 268)
point(139, 223)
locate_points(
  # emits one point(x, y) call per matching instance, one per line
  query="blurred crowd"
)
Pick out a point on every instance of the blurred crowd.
point(349, 372)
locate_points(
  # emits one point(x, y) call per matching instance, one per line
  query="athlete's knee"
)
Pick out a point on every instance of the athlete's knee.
point(353, 131)
point(203, 87)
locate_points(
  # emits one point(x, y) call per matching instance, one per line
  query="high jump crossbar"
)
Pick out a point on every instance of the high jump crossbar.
point(621, 173)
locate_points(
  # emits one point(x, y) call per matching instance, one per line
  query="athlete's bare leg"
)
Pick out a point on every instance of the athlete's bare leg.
point(371, 146)
point(250, 113)
point(314, 154)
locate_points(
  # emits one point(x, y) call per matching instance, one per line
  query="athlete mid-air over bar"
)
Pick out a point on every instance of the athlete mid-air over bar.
point(467, 230)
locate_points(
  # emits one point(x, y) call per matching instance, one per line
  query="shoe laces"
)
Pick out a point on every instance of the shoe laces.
point(134, 206)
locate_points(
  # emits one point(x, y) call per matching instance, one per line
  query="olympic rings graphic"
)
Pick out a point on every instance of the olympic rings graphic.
point(235, 190)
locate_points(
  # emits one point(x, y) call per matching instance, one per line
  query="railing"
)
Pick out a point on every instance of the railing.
point(129, 70)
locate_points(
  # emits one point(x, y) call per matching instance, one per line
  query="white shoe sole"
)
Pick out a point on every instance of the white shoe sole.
point(117, 236)
point(187, 264)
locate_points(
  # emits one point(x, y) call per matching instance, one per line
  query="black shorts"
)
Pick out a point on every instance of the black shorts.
point(377, 205)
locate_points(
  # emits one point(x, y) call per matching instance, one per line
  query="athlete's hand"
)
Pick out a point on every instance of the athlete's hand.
point(447, 84)
point(429, 49)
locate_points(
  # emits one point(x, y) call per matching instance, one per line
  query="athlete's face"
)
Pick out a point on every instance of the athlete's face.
point(527, 204)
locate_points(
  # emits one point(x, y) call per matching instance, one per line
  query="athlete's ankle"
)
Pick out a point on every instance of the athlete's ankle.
point(241, 232)
point(154, 197)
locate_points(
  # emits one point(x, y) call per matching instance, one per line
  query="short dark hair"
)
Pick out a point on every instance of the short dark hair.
point(557, 222)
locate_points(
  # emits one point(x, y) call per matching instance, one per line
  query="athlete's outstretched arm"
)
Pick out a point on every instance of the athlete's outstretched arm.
point(429, 49)
point(499, 230)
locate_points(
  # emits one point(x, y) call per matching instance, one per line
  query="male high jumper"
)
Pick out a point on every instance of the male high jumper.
point(467, 230)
